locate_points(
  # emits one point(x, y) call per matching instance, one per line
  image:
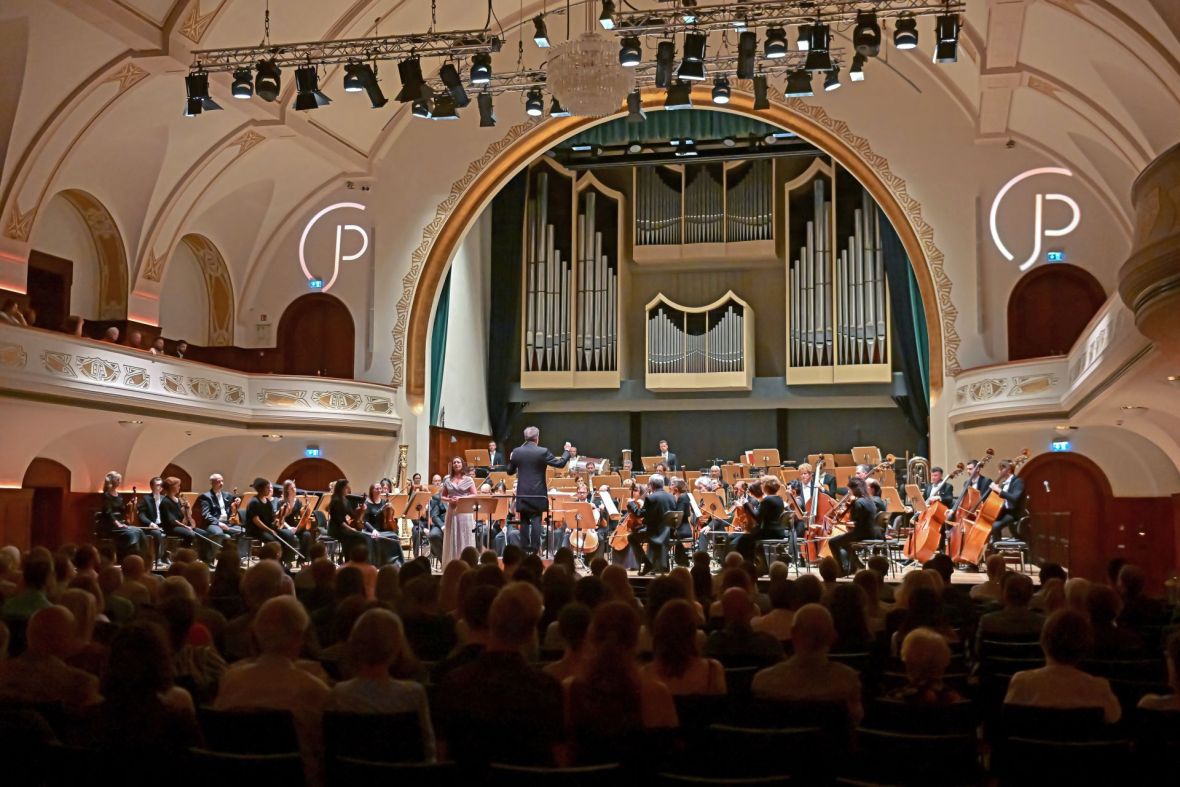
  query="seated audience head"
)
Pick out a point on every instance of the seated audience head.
point(180, 613)
point(177, 587)
point(490, 575)
point(469, 556)
point(133, 568)
point(1067, 637)
point(110, 578)
point(512, 557)
point(489, 558)
point(1113, 567)
point(912, 582)
point(879, 565)
point(847, 606)
point(270, 551)
point(1131, 581)
point(261, 582)
point(779, 570)
point(85, 611)
point(51, 632)
point(280, 627)
point(198, 575)
point(614, 633)
point(358, 554)
point(996, 566)
point(783, 594)
point(683, 577)
point(1104, 605)
point(737, 607)
point(732, 560)
point(572, 625)
point(660, 591)
point(736, 578)
point(476, 608)
point(37, 570)
point(829, 569)
point(85, 559)
point(349, 582)
point(448, 591)
point(1076, 591)
point(411, 571)
point(564, 557)
point(1052, 571)
point(674, 637)
point(514, 616)
point(618, 586)
point(926, 655)
point(389, 589)
point(590, 592)
point(813, 631)
point(1054, 595)
point(1018, 590)
point(809, 589)
point(941, 565)
point(90, 585)
point(377, 640)
point(346, 614)
point(140, 665)
point(420, 597)
point(867, 580)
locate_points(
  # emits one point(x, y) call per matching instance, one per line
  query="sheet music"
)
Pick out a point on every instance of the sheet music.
point(609, 505)
point(696, 509)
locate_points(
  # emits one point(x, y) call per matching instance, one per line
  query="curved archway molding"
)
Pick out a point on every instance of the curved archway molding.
point(523, 143)
point(219, 289)
point(110, 251)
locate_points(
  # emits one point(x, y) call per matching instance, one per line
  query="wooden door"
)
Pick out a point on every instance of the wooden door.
point(50, 280)
point(316, 337)
point(1068, 497)
point(1048, 310)
point(315, 475)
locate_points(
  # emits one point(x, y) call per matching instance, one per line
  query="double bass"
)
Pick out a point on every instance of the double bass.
point(836, 522)
point(923, 542)
point(818, 509)
point(978, 530)
point(965, 508)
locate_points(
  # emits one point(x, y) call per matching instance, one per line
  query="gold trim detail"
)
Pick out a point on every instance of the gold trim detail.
point(278, 397)
point(13, 356)
point(136, 377)
point(155, 267)
point(195, 24)
point(127, 77)
point(58, 363)
point(99, 369)
point(336, 400)
point(20, 225)
point(173, 383)
point(378, 404)
point(234, 394)
point(204, 388)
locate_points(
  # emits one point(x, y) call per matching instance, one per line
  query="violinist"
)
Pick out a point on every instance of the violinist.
point(875, 493)
point(864, 526)
point(148, 514)
point(346, 522)
point(684, 529)
point(215, 509)
point(386, 543)
point(719, 484)
point(176, 518)
point(264, 520)
point(708, 523)
point(113, 517)
point(293, 504)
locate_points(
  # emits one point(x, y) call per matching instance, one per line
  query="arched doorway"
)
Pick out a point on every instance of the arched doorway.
point(50, 482)
point(1048, 310)
point(313, 474)
point(1068, 499)
point(316, 337)
point(176, 471)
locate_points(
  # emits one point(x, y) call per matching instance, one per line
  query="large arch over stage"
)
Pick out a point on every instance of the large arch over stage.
point(470, 196)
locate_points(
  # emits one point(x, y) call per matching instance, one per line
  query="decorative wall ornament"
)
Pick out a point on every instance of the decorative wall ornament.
point(219, 289)
point(13, 356)
point(278, 397)
point(204, 388)
point(1032, 384)
point(136, 377)
point(20, 225)
point(195, 24)
point(378, 404)
point(112, 255)
point(173, 383)
point(99, 369)
point(983, 390)
point(154, 269)
point(127, 76)
point(336, 400)
point(234, 394)
point(58, 363)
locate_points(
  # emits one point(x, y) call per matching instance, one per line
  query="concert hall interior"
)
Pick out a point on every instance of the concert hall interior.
point(780, 244)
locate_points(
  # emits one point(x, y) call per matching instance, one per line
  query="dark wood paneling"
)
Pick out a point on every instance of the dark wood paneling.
point(316, 337)
point(16, 518)
point(176, 471)
point(49, 282)
point(314, 474)
point(1049, 308)
point(446, 444)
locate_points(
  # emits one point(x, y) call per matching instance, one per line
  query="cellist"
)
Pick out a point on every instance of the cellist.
point(938, 489)
point(864, 525)
point(1010, 487)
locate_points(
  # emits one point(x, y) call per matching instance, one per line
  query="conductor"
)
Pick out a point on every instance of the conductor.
point(532, 498)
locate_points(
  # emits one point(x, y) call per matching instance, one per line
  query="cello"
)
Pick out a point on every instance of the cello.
point(632, 523)
point(979, 529)
point(818, 509)
point(923, 542)
point(965, 508)
point(836, 521)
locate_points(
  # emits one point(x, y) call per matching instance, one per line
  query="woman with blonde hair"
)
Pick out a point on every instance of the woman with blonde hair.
point(684, 576)
point(618, 586)
point(448, 589)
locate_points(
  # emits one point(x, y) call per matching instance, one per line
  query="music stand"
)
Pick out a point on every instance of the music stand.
point(893, 504)
point(418, 507)
point(766, 457)
point(650, 462)
point(917, 499)
point(793, 504)
point(866, 455)
point(496, 476)
point(577, 517)
point(842, 475)
point(608, 503)
point(477, 457)
point(476, 505)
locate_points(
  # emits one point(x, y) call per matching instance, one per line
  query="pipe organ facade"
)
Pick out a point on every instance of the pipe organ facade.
point(703, 348)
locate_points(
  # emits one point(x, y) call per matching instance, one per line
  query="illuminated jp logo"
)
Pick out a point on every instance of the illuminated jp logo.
point(339, 257)
point(1039, 229)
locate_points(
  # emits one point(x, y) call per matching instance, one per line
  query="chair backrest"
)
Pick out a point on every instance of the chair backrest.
point(900, 716)
point(353, 770)
point(528, 776)
point(805, 751)
point(218, 767)
point(248, 731)
point(920, 758)
point(386, 737)
point(1062, 724)
point(699, 711)
point(738, 680)
point(831, 717)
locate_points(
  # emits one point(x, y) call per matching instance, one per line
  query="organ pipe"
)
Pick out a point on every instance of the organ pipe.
point(719, 204)
point(700, 347)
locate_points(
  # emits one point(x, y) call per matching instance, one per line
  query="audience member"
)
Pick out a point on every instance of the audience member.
point(1139, 609)
point(875, 609)
point(1111, 641)
point(809, 675)
point(431, 634)
point(991, 590)
point(783, 600)
point(1077, 589)
point(847, 605)
point(737, 644)
point(926, 656)
point(40, 674)
point(37, 577)
point(572, 625)
point(618, 586)
point(1171, 701)
point(879, 565)
point(829, 572)
point(1065, 639)
point(87, 654)
point(116, 608)
point(1048, 572)
point(1015, 622)
point(197, 667)
point(809, 590)
point(677, 662)
point(389, 589)
point(474, 612)
point(261, 582)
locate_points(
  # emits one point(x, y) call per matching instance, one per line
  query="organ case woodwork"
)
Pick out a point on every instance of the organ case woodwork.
point(701, 348)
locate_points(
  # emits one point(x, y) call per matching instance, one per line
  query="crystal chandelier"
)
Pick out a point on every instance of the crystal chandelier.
point(585, 75)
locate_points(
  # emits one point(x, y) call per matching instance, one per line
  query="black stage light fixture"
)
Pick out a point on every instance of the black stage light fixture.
point(450, 77)
point(832, 80)
point(685, 147)
point(352, 77)
point(776, 43)
point(803, 41)
point(720, 90)
point(947, 33)
point(630, 52)
point(905, 33)
point(410, 73)
point(556, 110)
point(761, 101)
point(679, 96)
point(421, 108)
point(444, 107)
point(747, 52)
point(634, 147)
point(196, 86)
point(481, 69)
point(691, 71)
point(665, 57)
point(818, 56)
point(268, 80)
point(361, 76)
point(857, 72)
point(866, 36)
point(307, 89)
point(534, 103)
point(487, 113)
point(243, 84)
point(607, 17)
point(540, 34)
point(635, 113)
point(799, 84)
point(692, 68)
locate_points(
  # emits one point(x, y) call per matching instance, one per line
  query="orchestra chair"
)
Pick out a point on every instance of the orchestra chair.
point(218, 767)
point(352, 770)
point(529, 776)
point(248, 731)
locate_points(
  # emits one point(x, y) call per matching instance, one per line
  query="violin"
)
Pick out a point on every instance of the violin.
point(740, 521)
point(235, 516)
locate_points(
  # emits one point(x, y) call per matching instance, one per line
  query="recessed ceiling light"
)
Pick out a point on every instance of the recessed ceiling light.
point(272, 438)
point(1064, 427)
point(1174, 378)
point(1130, 407)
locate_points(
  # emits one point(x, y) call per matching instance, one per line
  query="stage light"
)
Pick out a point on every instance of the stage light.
point(947, 32)
point(421, 108)
point(450, 77)
point(410, 73)
point(540, 34)
point(692, 68)
point(946, 52)
point(691, 71)
point(268, 80)
point(803, 41)
point(635, 113)
point(534, 104)
point(866, 36)
point(761, 101)
point(243, 84)
point(905, 34)
point(818, 57)
point(556, 110)
point(799, 84)
point(665, 57)
point(747, 51)
point(832, 80)
point(679, 96)
point(352, 77)
point(720, 90)
point(689, 16)
point(607, 18)
point(361, 76)
point(307, 89)
point(487, 113)
point(776, 43)
point(684, 147)
point(481, 69)
point(196, 85)
point(857, 72)
point(630, 52)
point(634, 147)
point(444, 108)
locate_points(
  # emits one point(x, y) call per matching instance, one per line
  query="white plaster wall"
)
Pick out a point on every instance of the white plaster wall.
point(464, 394)
point(184, 303)
point(62, 233)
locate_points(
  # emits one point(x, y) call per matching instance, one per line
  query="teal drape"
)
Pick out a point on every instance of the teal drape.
point(438, 348)
point(921, 335)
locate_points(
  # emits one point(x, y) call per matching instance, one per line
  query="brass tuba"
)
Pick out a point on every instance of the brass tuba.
point(917, 471)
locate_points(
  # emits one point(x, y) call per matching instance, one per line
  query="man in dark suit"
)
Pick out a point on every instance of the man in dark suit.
point(437, 516)
point(496, 455)
point(939, 489)
point(668, 457)
point(148, 514)
point(532, 496)
point(974, 479)
point(1010, 487)
point(656, 503)
point(214, 508)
